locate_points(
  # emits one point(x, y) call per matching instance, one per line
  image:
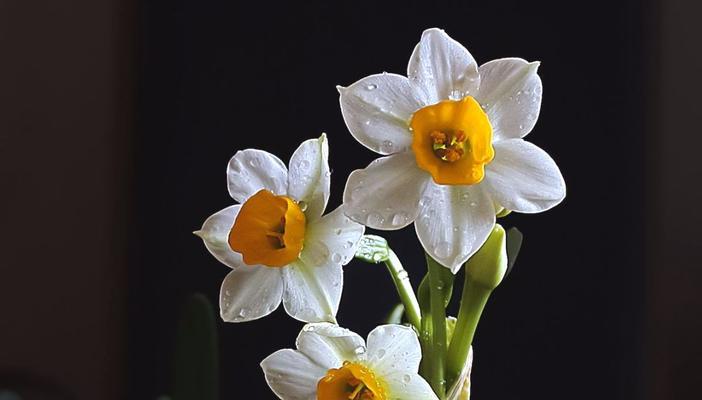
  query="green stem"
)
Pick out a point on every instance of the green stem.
point(473, 301)
point(404, 289)
point(438, 328)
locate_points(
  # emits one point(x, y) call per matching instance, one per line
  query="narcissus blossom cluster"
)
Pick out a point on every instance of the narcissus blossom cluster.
point(453, 159)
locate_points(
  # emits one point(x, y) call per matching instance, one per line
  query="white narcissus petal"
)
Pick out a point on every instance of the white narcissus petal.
point(385, 195)
point(251, 170)
point(442, 68)
point(313, 285)
point(292, 375)
point(308, 176)
point(405, 386)
point(250, 292)
point(334, 234)
point(215, 234)
point(393, 348)
point(510, 93)
point(377, 110)
point(329, 345)
point(454, 222)
point(523, 178)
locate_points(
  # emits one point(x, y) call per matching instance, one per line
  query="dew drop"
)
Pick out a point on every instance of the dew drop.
point(359, 350)
point(336, 258)
point(406, 379)
point(473, 204)
point(424, 201)
point(386, 146)
point(302, 205)
point(338, 232)
point(348, 245)
point(455, 95)
point(368, 122)
point(371, 86)
point(304, 164)
point(381, 353)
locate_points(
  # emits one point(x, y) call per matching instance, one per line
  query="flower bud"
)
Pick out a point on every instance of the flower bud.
point(487, 267)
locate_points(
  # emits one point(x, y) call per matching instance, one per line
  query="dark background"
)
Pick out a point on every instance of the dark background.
point(122, 116)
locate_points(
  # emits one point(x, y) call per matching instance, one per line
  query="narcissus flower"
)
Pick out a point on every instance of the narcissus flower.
point(277, 242)
point(453, 135)
point(333, 363)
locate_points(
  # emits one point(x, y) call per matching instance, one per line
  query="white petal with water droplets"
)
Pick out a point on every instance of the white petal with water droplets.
point(292, 375)
point(442, 68)
point(251, 170)
point(393, 348)
point(250, 292)
point(453, 222)
point(404, 386)
point(313, 285)
point(524, 178)
point(329, 345)
point(309, 176)
point(385, 195)
point(377, 110)
point(510, 93)
point(215, 234)
point(334, 235)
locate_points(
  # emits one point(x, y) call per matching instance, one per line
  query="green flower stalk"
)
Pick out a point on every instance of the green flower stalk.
point(483, 273)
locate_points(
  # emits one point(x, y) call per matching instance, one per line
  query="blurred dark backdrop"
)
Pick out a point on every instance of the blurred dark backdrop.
point(118, 119)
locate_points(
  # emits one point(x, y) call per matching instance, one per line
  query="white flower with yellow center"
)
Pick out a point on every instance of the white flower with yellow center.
point(277, 242)
point(333, 363)
point(453, 135)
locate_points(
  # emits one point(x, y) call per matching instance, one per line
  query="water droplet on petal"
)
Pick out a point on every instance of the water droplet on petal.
point(336, 258)
point(359, 350)
point(371, 86)
point(406, 379)
point(386, 146)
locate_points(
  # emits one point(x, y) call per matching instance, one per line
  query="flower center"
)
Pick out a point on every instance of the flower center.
point(269, 230)
point(350, 382)
point(452, 140)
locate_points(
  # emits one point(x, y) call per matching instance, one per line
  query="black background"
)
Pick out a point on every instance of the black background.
point(118, 118)
point(219, 76)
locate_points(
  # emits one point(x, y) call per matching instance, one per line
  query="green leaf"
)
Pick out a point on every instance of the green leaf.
point(196, 360)
point(514, 244)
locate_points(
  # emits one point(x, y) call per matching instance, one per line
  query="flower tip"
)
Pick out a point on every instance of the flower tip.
point(534, 65)
point(340, 89)
point(199, 234)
